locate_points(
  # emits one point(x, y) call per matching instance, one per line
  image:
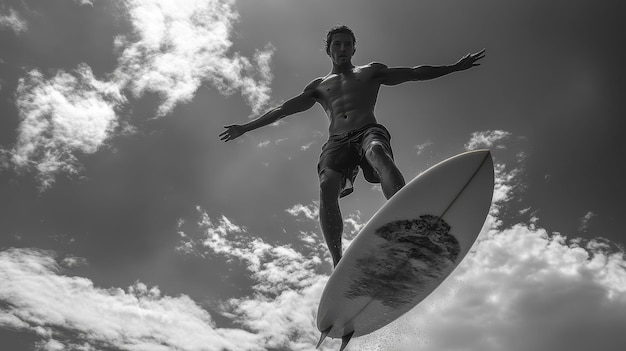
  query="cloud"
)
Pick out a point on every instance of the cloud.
point(72, 261)
point(287, 282)
point(309, 215)
point(263, 144)
point(267, 143)
point(308, 211)
point(307, 146)
point(423, 147)
point(62, 117)
point(69, 311)
point(487, 139)
point(84, 2)
point(275, 268)
point(508, 176)
point(13, 21)
point(584, 221)
point(177, 46)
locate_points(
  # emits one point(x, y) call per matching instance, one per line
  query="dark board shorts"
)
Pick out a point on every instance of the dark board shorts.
point(345, 153)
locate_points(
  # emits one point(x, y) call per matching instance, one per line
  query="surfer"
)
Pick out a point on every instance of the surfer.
point(356, 140)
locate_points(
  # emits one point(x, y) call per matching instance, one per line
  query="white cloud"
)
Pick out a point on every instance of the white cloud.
point(311, 211)
point(508, 177)
point(178, 45)
point(584, 221)
point(275, 267)
point(84, 2)
point(263, 144)
point(423, 147)
point(307, 146)
point(175, 47)
point(487, 139)
point(287, 282)
point(267, 143)
point(352, 225)
point(73, 261)
point(62, 117)
point(286, 322)
point(5, 157)
point(13, 21)
point(38, 298)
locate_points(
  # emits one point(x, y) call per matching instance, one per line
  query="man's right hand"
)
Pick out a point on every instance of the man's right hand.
point(232, 132)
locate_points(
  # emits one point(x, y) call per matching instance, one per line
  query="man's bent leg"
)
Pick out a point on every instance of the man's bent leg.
point(391, 179)
point(330, 214)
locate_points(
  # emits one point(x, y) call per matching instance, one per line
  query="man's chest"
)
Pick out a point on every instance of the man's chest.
point(337, 86)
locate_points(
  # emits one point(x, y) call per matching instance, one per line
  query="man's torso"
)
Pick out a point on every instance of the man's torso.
point(349, 98)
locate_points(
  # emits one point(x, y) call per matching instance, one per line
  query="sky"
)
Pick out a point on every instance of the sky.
point(126, 224)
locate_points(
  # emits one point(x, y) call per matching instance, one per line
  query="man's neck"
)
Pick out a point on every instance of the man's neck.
point(343, 68)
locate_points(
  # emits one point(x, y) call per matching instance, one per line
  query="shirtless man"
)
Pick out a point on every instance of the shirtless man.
point(356, 140)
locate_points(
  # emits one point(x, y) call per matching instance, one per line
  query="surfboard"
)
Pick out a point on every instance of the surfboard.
point(408, 248)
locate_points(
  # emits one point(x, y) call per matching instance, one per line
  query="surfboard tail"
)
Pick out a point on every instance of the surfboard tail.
point(345, 340)
point(323, 336)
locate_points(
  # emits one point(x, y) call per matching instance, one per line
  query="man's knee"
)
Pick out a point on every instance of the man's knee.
point(377, 154)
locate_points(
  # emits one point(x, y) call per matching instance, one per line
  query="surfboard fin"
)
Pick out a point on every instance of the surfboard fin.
point(345, 340)
point(323, 336)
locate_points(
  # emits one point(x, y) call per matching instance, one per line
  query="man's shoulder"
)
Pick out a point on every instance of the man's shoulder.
point(374, 65)
point(373, 69)
point(313, 84)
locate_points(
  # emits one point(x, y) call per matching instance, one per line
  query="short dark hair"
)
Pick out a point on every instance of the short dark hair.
point(339, 28)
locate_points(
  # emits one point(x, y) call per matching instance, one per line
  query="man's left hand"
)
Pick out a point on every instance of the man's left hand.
point(469, 60)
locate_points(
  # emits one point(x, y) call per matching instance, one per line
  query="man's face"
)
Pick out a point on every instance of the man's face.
point(341, 49)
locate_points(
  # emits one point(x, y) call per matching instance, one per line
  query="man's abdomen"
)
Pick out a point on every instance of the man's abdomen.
point(350, 121)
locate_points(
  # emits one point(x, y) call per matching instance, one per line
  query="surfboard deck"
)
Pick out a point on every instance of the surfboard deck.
point(408, 248)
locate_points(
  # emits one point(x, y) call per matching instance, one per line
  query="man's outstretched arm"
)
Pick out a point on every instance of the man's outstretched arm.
point(393, 76)
point(299, 103)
